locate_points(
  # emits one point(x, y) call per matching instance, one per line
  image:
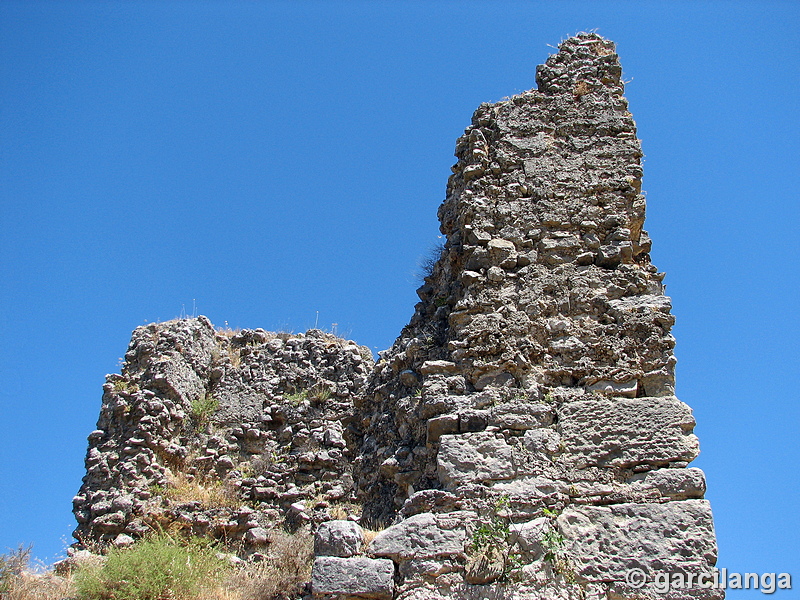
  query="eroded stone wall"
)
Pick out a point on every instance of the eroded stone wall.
point(521, 439)
point(221, 433)
point(533, 390)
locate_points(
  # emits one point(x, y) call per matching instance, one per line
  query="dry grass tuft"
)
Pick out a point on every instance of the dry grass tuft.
point(341, 511)
point(210, 494)
point(38, 586)
point(601, 50)
point(228, 332)
point(282, 576)
point(581, 89)
point(369, 535)
point(158, 567)
point(19, 582)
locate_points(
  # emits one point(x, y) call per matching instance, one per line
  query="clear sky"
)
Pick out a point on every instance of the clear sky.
point(260, 162)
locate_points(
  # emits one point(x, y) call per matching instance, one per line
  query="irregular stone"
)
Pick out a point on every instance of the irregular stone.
point(257, 536)
point(470, 277)
point(472, 420)
point(419, 536)
point(334, 438)
point(496, 274)
point(542, 441)
point(473, 457)
point(441, 425)
point(430, 367)
point(338, 538)
point(529, 535)
point(494, 380)
point(416, 569)
point(626, 432)
point(626, 389)
point(123, 541)
point(408, 378)
point(358, 576)
point(531, 487)
point(503, 253)
point(521, 416)
point(78, 559)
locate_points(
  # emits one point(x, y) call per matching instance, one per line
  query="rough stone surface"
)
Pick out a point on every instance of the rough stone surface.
point(359, 576)
point(254, 421)
point(675, 484)
point(624, 432)
point(338, 538)
point(474, 457)
point(605, 542)
point(420, 536)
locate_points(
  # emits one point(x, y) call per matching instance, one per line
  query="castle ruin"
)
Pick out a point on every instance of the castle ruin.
point(521, 439)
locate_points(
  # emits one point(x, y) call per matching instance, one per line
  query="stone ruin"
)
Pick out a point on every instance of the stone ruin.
point(521, 438)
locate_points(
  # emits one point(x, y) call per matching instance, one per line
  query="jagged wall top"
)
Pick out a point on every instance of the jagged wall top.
point(544, 284)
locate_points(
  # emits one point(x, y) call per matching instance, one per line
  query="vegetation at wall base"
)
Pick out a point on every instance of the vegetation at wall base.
point(157, 567)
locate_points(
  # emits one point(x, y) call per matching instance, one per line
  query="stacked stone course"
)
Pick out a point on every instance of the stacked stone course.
point(521, 438)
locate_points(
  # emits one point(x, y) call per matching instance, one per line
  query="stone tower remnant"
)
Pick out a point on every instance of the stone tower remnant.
point(521, 439)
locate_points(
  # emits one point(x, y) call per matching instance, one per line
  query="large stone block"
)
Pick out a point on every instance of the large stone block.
point(603, 543)
point(359, 576)
point(474, 457)
point(419, 536)
point(615, 432)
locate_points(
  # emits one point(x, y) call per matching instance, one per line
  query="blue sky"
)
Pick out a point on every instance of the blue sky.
point(261, 162)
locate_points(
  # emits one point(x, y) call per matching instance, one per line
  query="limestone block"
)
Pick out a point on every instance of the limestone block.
point(441, 425)
point(641, 305)
point(338, 538)
point(257, 536)
point(627, 389)
point(624, 432)
point(359, 576)
point(496, 274)
point(176, 378)
point(473, 457)
point(521, 416)
point(419, 536)
point(531, 487)
point(542, 441)
point(676, 484)
point(604, 542)
point(417, 569)
point(503, 253)
point(497, 379)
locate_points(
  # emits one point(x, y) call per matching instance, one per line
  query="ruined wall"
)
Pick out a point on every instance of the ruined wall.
point(521, 439)
point(533, 390)
point(221, 433)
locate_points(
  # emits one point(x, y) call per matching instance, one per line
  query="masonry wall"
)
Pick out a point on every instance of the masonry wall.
point(221, 433)
point(521, 438)
point(537, 373)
